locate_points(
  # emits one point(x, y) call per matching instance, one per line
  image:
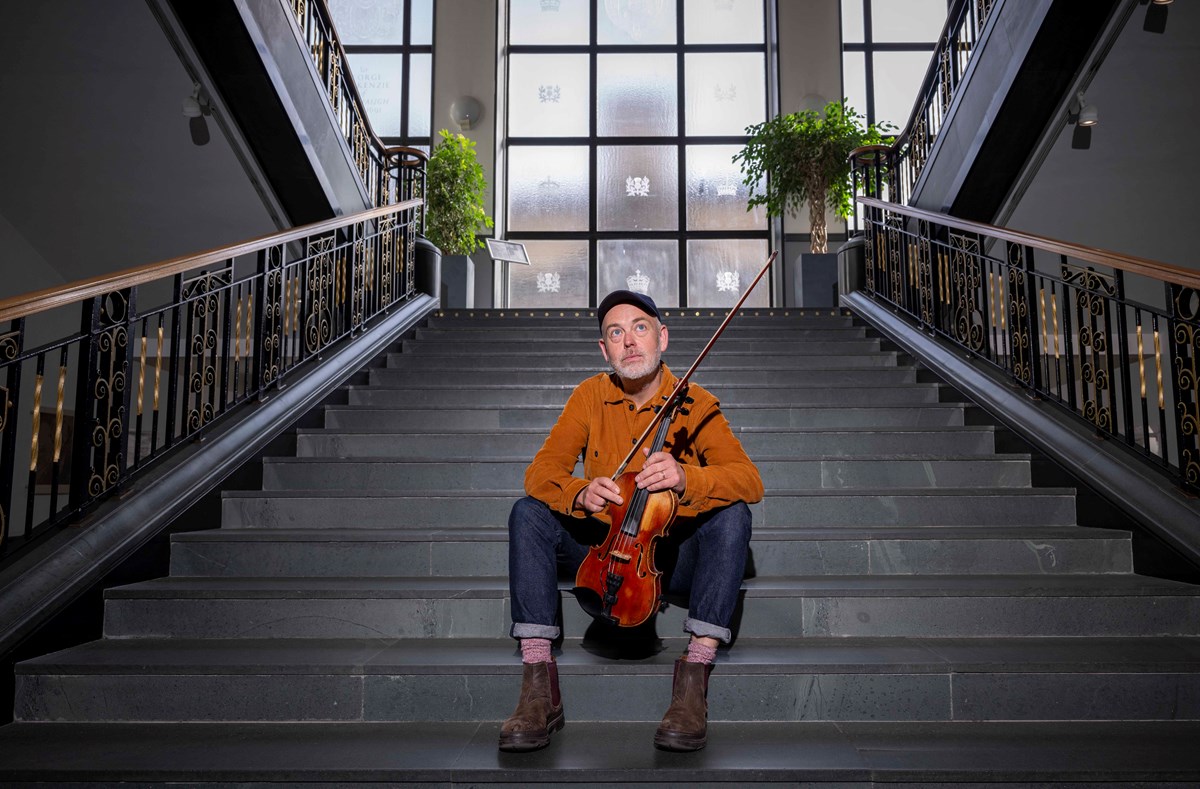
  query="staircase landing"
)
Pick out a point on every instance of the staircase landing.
point(916, 610)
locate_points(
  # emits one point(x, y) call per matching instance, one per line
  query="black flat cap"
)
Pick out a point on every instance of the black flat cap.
point(639, 300)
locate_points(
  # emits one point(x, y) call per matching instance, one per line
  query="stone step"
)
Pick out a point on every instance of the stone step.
point(537, 347)
point(680, 331)
point(393, 416)
point(866, 508)
point(357, 433)
point(942, 606)
point(794, 473)
point(705, 376)
point(502, 396)
point(846, 679)
point(936, 755)
point(702, 319)
point(348, 552)
point(593, 361)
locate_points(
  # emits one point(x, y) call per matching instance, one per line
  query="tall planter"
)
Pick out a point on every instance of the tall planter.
point(455, 215)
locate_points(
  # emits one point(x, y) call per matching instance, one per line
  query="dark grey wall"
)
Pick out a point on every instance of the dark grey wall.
point(99, 172)
point(1133, 191)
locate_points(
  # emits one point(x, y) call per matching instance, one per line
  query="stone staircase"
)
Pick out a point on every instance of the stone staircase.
point(915, 610)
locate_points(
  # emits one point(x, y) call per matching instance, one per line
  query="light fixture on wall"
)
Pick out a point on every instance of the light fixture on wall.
point(1156, 16)
point(195, 108)
point(465, 111)
point(1084, 116)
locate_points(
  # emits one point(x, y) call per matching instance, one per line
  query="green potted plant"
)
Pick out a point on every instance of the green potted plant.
point(803, 157)
point(454, 212)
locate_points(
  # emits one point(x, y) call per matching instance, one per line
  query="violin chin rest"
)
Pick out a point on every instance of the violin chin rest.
point(591, 603)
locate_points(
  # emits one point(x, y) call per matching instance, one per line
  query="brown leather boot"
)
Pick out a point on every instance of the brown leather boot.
point(539, 710)
point(685, 726)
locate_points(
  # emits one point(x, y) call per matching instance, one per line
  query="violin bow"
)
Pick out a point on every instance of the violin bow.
point(683, 382)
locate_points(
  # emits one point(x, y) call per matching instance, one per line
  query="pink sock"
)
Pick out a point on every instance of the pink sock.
point(699, 653)
point(535, 650)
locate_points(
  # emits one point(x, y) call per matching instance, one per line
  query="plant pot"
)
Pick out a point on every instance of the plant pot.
point(815, 279)
point(458, 281)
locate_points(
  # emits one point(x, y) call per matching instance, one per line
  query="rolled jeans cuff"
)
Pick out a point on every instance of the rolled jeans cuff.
point(521, 630)
point(702, 630)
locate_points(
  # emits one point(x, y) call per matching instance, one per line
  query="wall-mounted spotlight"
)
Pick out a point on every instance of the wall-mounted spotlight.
point(465, 111)
point(195, 108)
point(1156, 16)
point(1083, 116)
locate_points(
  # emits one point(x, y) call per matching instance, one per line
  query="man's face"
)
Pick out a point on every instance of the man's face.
point(632, 341)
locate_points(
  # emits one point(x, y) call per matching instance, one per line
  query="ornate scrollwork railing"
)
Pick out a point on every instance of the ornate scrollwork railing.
point(1113, 339)
point(152, 357)
point(389, 174)
point(911, 149)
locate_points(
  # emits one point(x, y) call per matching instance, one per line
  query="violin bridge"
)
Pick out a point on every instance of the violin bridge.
point(624, 558)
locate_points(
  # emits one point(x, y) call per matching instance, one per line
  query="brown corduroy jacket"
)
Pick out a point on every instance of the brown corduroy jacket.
point(600, 423)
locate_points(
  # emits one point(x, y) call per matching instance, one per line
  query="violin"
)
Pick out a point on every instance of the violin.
point(618, 580)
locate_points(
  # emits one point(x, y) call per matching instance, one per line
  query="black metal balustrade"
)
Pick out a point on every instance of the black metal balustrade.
point(374, 161)
point(1113, 339)
point(955, 46)
point(154, 356)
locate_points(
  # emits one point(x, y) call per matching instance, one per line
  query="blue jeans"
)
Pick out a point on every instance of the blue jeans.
point(712, 548)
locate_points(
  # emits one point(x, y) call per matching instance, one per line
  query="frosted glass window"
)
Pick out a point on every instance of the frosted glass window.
point(852, 22)
point(548, 96)
point(548, 22)
point(716, 196)
point(368, 21)
point(635, 22)
point(637, 187)
point(854, 80)
point(420, 86)
point(910, 21)
point(720, 270)
point(650, 267)
point(636, 95)
point(548, 188)
point(723, 22)
point(421, 32)
point(380, 81)
point(898, 77)
point(726, 92)
point(556, 277)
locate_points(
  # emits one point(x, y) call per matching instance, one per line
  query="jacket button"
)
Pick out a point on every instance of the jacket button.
point(631, 406)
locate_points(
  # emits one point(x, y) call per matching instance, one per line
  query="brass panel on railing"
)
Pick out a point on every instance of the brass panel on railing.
point(110, 366)
point(966, 277)
point(274, 311)
point(1185, 342)
point(319, 328)
point(386, 258)
point(334, 86)
point(1020, 322)
point(1093, 290)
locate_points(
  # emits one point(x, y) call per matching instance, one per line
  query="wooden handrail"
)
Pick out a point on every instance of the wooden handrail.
point(860, 154)
point(1103, 257)
point(417, 154)
point(74, 292)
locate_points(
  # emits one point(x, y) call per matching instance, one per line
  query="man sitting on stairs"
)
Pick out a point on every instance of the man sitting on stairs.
point(705, 465)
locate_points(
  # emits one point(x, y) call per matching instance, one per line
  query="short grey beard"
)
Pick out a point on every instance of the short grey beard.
point(635, 374)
